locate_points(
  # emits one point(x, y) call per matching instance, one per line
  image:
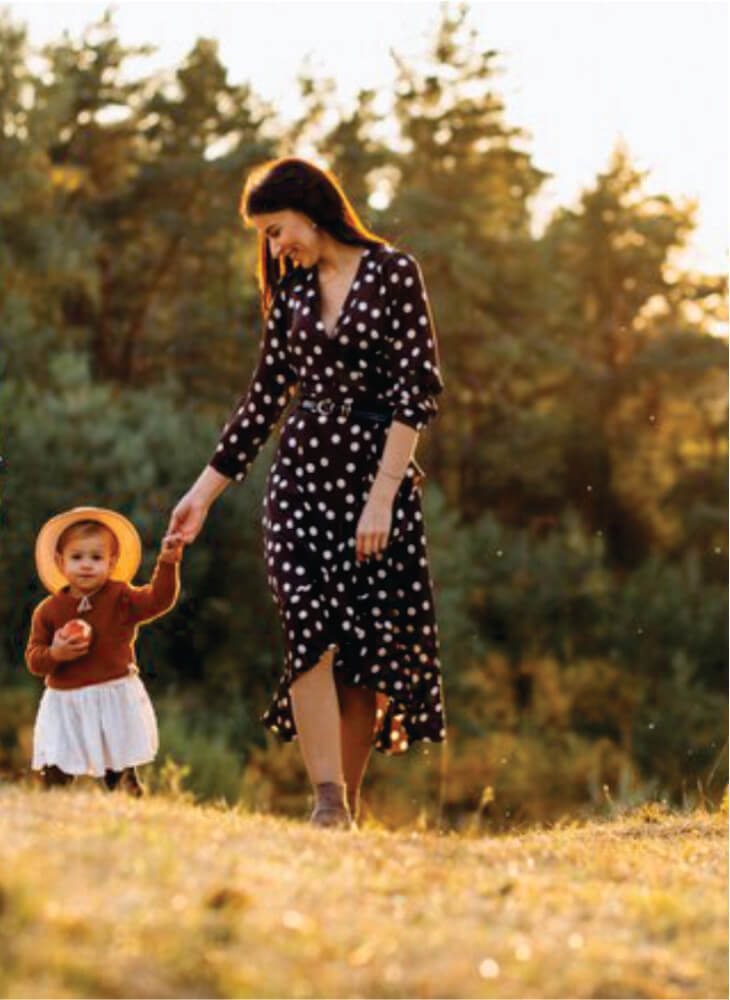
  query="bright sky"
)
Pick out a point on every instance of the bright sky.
point(579, 76)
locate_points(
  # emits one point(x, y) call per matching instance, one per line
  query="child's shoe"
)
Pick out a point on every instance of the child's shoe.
point(54, 777)
point(126, 780)
point(131, 783)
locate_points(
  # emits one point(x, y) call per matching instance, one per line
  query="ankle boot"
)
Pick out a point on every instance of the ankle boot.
point(330, 806)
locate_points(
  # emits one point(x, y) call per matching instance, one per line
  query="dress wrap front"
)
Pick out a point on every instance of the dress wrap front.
point(377, 615)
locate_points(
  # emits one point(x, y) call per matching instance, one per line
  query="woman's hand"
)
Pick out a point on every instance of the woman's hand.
point(373, 528)
point(188, 517)
point(190, 513)
point(376, 519)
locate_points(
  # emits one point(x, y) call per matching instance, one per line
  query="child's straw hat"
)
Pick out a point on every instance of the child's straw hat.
point(130, 546)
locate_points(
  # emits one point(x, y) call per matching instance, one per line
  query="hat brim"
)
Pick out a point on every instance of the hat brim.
point(130, 546)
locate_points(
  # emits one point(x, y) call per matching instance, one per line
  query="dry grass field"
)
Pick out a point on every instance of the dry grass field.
point(103, 896)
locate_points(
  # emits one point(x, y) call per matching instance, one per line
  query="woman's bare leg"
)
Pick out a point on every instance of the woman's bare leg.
point(357, 714)
point(317, 718)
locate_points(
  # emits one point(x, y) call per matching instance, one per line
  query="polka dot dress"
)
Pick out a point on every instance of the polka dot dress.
point(378, 615)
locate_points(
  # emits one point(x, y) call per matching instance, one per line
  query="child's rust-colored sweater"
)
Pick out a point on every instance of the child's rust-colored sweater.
point(117, 611)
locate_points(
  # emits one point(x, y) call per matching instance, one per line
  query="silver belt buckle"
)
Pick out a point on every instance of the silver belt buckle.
point(325, 406)
point(345, 408)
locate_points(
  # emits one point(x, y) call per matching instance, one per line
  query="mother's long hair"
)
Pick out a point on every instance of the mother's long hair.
point(295, 184)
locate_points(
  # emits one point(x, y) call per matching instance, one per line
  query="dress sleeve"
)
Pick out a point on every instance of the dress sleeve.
point(156, 597)
point(268, 393)
point(411, 348)
point(38, 651)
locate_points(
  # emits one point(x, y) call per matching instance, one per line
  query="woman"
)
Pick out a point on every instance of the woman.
point(348, 322)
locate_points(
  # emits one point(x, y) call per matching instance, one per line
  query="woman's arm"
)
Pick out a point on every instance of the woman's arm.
point(258, 411)
point(411, 346)
point(375, 521)
point(190, 513)
point(411, 355)
point(400, 445)
point(248, 427)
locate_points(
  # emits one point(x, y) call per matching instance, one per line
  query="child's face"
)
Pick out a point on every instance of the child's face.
point(87, 561)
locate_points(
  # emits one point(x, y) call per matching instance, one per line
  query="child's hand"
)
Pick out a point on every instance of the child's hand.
point(172, 546)
point(66, 647)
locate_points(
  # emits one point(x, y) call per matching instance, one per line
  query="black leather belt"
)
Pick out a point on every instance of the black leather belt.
point(325, 407)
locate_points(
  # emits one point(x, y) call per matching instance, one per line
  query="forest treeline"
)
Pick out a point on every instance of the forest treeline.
point(576, 491)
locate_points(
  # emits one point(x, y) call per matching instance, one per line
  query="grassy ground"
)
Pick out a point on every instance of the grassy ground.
point(103, 896)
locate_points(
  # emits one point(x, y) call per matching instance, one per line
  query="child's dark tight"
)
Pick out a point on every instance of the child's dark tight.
point(126, 780)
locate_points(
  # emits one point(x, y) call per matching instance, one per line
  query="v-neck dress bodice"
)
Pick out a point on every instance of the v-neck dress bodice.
point(342, 311)
point(377, 615)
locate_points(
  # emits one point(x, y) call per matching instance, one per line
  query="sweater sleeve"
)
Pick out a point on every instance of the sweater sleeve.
point(268, 393)
point(411, 349)
point(156, 597)
point(38, 651)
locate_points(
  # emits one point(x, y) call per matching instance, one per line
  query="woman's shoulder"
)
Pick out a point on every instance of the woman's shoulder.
point(388, 253)
point(395, 263)
point(394, 257)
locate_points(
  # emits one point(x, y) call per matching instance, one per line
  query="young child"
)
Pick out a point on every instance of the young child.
point(95, 716)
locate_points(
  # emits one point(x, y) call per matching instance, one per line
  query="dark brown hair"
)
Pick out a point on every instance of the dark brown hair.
point(84, 529)
point(298, 185)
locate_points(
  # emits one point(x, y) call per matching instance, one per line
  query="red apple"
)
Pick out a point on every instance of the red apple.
point(76, 627)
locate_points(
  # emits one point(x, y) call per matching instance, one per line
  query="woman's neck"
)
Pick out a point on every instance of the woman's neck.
point(337, 258)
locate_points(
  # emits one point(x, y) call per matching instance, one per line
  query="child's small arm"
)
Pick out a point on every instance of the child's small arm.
point(157, 596)
point(38, 651)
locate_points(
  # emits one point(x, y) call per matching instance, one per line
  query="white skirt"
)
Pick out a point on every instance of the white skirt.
point(87, 730)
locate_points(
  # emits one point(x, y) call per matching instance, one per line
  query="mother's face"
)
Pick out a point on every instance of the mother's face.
point(290, 234)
